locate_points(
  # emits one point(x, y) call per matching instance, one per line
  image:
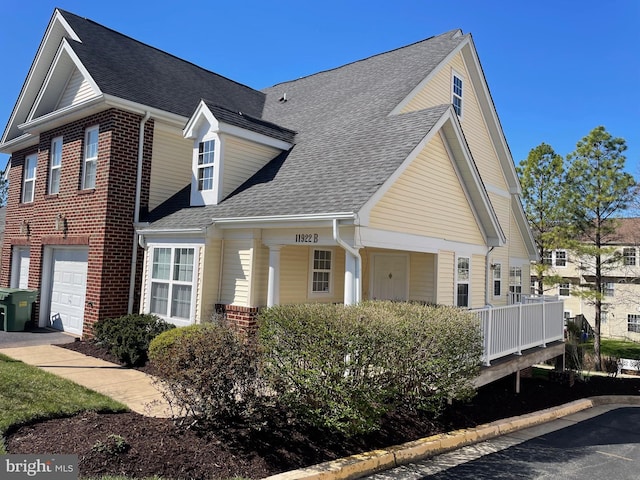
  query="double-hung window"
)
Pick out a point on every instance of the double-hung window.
point(561, 258)
point(629, 256)
point(321, 267)
point(90, 165)
point(462, 281)
point(457, 94)
point(206, 154)
point(55, 165)
point(633, 323)
point(172, 282)
point(29, 178)
point(564, 289)
point(497, 279)
point(608, 289)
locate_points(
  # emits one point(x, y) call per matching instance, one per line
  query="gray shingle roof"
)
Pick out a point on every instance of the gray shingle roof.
point(129, 69)
point(347, 143)
point(239, 119)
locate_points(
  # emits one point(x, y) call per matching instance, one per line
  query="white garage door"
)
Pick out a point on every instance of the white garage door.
point(68, 289)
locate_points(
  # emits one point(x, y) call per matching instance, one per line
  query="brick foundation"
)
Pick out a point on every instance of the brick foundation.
point(244, 318)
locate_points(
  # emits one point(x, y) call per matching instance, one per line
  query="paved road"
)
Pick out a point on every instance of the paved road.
point(39, 336)
point(597, 444)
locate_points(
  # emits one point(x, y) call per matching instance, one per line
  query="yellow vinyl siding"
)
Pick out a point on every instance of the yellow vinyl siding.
point(437, 92)
point(517, 247)
point(260, 275)
point(210, 275)
point(171, 165)
point(428, 200)
point(295, 263)
point(242, 159)
point(77, 90)
point(477, 284)
point(422, 275)
point(145, 280)
point(446, 278)
point(237, 261)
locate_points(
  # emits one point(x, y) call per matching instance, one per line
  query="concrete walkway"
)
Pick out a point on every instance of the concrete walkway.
point(131, 387)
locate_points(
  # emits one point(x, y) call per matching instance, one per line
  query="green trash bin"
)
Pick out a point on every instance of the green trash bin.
point(15, 308)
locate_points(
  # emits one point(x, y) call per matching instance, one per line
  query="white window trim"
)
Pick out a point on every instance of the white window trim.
point(56, 151)
point(86, 159)
point(462, 78)
point(461, 282)
point(329, 293)
point(625, 258)
point(496, 267)
point(31, 180)
point(194, 281)
point(560, 289)
point(636, 317)
point(207, 197)
point(555, 259)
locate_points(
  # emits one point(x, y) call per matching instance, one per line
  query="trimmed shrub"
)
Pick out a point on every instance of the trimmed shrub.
point(345, 367)
point(208, 374)
point(128, 337)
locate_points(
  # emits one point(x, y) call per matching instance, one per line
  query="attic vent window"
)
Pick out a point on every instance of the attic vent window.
point(457, 94)
point(206, 153)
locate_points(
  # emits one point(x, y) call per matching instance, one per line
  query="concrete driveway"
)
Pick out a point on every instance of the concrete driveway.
point(38, 336)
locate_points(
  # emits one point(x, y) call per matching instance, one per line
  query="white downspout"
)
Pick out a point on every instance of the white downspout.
point(136, 211)
point(487, 279)
point(356, 253)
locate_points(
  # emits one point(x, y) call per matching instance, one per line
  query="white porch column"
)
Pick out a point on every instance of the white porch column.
point(352, 280)
point(273, 288)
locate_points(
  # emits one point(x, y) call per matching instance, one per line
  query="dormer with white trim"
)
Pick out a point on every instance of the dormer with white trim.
point(228, 148)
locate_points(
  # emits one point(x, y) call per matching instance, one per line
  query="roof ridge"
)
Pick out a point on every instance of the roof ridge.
point(66, 12)
point(455, 33)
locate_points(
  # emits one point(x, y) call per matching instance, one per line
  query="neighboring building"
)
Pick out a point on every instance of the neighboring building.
point(139, 181)
point(621, 304)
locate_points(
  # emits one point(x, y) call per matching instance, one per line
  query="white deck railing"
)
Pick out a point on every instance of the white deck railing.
point(514, 328)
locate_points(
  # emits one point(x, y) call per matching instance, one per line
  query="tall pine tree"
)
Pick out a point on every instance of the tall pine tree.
point(597, 190)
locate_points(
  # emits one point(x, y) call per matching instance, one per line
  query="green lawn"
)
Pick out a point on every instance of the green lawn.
point(618, 348)
point(28, 393)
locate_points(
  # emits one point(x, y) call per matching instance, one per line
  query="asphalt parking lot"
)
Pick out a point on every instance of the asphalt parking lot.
point(598, 443)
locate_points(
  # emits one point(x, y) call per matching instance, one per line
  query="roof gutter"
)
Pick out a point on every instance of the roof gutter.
point(136, 211)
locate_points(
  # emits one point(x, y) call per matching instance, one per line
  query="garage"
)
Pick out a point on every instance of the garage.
point(68, 287)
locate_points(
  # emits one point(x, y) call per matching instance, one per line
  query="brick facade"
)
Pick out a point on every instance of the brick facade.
point(100, 218)
point(244, 318)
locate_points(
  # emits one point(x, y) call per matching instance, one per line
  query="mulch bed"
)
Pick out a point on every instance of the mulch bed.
point(157, 447)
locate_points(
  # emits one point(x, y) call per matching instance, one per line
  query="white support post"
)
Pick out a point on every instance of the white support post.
point(350, 279)
point(544, 321)
point(519, 352)
point(487, 340)
point(273, 287)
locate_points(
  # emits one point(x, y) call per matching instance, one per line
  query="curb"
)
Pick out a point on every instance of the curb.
point(374, 461)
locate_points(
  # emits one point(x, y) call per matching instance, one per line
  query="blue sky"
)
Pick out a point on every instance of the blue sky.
point(556, 69)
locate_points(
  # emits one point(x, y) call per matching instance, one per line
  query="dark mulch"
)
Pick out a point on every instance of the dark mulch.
point(156, 446)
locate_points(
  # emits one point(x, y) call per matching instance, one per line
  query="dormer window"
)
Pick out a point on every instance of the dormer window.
point(206, 154)
point(457, 94)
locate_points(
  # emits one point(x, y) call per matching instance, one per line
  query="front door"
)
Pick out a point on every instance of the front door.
point(20, 267)
point(390, 277)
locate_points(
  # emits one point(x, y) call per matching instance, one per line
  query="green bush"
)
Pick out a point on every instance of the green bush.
point(208, 373)
point(344, 367)
point(128, 337)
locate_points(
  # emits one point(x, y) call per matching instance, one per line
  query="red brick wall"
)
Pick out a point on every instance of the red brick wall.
point(242, 317)
point(101, 218)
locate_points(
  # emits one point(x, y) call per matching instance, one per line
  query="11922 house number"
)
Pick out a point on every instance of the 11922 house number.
point(307, 237)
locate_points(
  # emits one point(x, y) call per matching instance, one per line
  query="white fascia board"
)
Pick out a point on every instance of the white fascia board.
point(174, 232)
point(376, 238)
point(418, 88)
point(479, 198)
point(203, 113)
point(64, 115)
point(57, 29)
point(524, 228)
point(490, 115)
point(64, 49)
point(23, 141)
point(365, 212)
point(283, 221)
point(141, 109)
